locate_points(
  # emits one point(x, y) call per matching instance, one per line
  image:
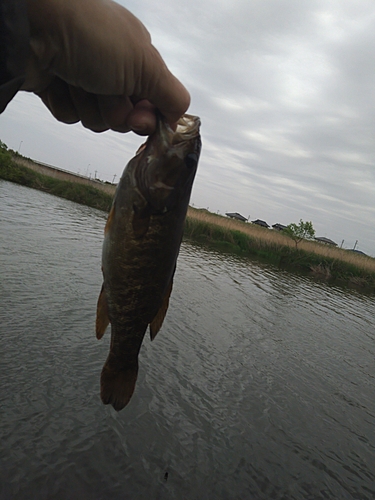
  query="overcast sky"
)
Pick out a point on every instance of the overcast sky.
point(286, 93)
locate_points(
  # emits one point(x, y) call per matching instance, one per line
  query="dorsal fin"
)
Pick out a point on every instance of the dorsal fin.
point(156, 323)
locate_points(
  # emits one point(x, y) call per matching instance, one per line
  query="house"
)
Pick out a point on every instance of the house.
point(236, 215)
point(260, 223)
point(325, 240)
point(279, 227)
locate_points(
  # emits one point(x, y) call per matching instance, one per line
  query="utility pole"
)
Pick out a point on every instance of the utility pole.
point(355, 244)
point(19, 147)
point(113, 180)
point(95, 174)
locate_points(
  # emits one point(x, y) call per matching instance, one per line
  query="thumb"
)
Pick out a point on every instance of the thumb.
point(164, 90)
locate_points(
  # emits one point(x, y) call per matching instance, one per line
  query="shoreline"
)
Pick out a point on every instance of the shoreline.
point(316, 260)
point(20, 170)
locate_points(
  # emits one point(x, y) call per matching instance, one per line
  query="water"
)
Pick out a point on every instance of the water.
point(260, 384)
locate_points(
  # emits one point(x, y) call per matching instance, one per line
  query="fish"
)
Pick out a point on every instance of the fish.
point(142, 239)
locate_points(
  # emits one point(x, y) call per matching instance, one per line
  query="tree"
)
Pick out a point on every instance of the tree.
point(301, 231)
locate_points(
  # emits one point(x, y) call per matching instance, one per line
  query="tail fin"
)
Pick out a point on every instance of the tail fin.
point(117, 382)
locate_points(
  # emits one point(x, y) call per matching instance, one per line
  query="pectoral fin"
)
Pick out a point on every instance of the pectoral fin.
point(102, 320)
point(156, 323)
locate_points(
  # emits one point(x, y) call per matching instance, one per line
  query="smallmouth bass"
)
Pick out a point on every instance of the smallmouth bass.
point(142, 240)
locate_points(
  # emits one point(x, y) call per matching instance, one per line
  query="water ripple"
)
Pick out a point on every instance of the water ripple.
point(259, 385)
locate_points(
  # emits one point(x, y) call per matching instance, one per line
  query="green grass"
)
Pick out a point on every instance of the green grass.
point(80, 193)
point(267, 246)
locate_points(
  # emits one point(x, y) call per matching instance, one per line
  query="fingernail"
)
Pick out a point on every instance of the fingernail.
point(140, 127)
point(141, 130)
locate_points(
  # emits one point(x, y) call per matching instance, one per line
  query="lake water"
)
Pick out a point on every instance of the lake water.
point(260, 385)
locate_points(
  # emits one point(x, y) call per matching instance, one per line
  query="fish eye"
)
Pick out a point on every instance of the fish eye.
point(191, 160)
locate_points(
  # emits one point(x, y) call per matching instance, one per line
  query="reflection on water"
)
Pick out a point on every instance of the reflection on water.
point(259, 385)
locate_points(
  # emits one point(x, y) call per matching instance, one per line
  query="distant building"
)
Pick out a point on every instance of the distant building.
point(279, 227)
point(260, 223)
point(236, 215)
point(325, 240)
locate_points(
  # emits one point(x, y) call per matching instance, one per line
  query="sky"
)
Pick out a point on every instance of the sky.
point(285, 90)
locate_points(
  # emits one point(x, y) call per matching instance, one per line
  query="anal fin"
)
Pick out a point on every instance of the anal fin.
point(102, 320)
point(157, 322)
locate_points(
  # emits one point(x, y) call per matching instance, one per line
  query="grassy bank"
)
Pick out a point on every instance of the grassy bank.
point(80, 193)
point(313, 258)
point(318, 260)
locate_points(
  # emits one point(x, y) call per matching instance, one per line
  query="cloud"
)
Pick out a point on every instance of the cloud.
point(285, 91)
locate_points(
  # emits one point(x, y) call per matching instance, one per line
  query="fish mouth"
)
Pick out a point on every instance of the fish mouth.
point(187, 128)
point(164, 137)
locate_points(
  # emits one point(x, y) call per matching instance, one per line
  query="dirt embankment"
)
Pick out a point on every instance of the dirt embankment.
point(63, 175)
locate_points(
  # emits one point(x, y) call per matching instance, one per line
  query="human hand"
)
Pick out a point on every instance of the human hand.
point(93, 61)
